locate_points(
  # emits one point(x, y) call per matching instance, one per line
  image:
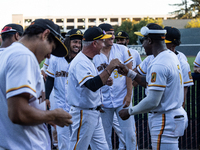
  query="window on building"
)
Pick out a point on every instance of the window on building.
point(159, 18)
point(102, 20)
point(61, 27)
point(28, 20)
point(59, 20)
point(70, 20)
point(70, 27)
point(137, 19)
point(81, 27)
point(81, 20)
point(90, 26)
point(91, 20)
point(113, 19)
point(125, 19)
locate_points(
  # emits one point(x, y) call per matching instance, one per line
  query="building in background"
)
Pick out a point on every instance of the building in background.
point(67, 23)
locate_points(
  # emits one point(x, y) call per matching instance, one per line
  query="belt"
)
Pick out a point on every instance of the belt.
point(95, 108)
point(153, 112)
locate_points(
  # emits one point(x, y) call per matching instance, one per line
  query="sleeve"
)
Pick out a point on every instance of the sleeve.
point(21, 76)
point(127, 56)
point(197, 60)
point(84, 72)
point(142, 67)
point(187, 77)
point(51, 70)
point(157, 78)
point(46, 62)
point(138, 59)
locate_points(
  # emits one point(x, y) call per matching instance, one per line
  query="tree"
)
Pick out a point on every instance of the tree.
point(195, 8)
point(134, 26)
point(194, 23)
point(184, 12)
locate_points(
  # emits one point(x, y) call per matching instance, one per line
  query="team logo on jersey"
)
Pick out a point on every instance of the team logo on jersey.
point(129, 53)
point(120, 33)
point(102, 67)
point(153, 77)
point(190, 75)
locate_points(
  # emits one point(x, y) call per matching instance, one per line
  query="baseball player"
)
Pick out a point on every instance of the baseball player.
point(84, 93)
point(10, 33)
point(57, 77)
point(197, 63)
point(172, 40)
point(167, 118)
point(23, 111)
point(123, 38)
point(118, 95)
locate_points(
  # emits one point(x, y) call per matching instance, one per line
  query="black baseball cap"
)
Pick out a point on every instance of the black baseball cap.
point(173, 35)
point(60, 50)
point(106, 27)
point(75, 34)
point(12, 29)
point(121, 35)
point(95, 33)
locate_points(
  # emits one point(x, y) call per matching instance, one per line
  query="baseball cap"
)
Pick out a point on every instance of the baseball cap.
point(60, 50)
point(95, 33)
point(121, 35)
point(12, 29)
point(106, 27)
point(152, 30)
point(75, 34)
point(173, 35)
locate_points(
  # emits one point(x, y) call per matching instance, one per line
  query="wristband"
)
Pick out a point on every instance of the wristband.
point(107, 72)
point(131, 74)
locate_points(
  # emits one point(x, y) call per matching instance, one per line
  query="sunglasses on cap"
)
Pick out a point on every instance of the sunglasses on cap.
point(55, 33)
point(145, 31)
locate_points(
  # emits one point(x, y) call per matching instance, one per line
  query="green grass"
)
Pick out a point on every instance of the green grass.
point(190, 61)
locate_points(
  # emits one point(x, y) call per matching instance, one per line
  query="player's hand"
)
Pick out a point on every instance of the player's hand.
point(44, 75)
point(127, 101)
point(122, 69)
point(115, 63)
point(62, 118)
point(109, 82)
point(124, 114)
point(48, 104)
point(134, 83)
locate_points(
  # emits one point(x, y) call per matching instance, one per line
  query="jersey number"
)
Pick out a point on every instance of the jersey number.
point(116, 75)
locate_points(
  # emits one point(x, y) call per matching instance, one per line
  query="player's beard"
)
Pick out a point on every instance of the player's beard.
point(122, 44)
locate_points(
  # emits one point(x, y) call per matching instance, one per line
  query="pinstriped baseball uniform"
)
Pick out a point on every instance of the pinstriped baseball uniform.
point(113, 96)
point(87, 125)
point(136, 57)
point(58, 69)
point(168, 120)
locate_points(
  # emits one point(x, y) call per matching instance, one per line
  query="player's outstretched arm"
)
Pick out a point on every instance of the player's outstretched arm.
point(20, 112)
point(124, 70)
point(145, 105)
point(127, 98)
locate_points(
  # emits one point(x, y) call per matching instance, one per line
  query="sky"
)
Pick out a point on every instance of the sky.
point(42, 8)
